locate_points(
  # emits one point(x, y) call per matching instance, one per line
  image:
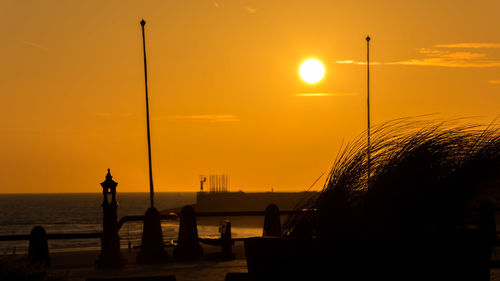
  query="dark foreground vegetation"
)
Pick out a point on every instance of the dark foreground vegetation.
point(426, 212)
point(16, 268)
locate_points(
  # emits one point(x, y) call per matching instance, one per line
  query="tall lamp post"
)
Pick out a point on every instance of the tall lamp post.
point(151, 188)
point(368, 144)
point(152, 250)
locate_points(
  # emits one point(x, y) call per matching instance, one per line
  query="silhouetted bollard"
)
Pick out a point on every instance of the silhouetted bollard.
point(272, 223)
point(152, 250)
point(38, 253)
point(187, 242)
point(227, 243)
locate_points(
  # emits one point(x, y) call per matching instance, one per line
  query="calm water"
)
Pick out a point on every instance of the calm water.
point(69, 213)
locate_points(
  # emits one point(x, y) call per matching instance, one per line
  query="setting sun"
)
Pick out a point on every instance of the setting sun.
point(312, 70)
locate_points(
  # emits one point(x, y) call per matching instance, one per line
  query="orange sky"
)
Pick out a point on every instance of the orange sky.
point(223, 84)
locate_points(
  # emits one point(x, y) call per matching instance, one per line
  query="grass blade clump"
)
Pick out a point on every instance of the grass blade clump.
point(425, 175)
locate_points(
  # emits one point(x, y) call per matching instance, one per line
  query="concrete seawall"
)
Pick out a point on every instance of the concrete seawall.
point(240, 201)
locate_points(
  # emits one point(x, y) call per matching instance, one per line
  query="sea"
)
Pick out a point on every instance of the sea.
point(82, 213)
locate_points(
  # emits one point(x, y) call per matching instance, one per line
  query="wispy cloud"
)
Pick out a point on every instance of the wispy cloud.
point(35, 45)
point(109, 114)
point(126, 114)
point(494, 82)
point(203, 117)
point(460, 63)
point(440, 55)
point(251, 10)
point(470, 45)
point(462, 55)
point(323, 94)
point(428, 51)
point(355, 62)
point(346, 62)
point(103, 114)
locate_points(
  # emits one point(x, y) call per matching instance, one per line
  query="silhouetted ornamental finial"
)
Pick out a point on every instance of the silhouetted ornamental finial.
point(108, 175)
point(143, 22)
point(109, 182)
point(368, 38)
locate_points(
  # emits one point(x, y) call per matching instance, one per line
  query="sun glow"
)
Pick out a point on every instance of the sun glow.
point(312, 71)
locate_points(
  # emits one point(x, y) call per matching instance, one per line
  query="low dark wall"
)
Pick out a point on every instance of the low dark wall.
point(239, 201)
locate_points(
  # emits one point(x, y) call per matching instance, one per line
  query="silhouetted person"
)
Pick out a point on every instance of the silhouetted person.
point(227, 242)
point(38, 254)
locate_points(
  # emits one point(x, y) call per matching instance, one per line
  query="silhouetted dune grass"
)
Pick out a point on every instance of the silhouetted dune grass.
point(424, 175)
point(426, 209)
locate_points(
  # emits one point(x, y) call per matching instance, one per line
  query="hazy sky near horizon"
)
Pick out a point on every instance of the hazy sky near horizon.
point(225, 94)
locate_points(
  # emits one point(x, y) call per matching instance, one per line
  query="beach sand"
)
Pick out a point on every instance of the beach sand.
point(79, 266)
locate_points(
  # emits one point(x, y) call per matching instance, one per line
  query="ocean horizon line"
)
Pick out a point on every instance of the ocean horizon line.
point(156, 192)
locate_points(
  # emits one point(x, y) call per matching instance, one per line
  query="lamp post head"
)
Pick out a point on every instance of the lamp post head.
point(109, 188)
point(368, 38)
point(143, 22)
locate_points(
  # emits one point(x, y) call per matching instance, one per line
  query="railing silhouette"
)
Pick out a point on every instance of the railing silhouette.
point(125, 219)
point(226, 241)
point(171, 216)
point(188, 241)
point(19, 237)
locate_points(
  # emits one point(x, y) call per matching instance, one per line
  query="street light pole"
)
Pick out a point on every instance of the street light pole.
point(151, 188)
point(152, 250)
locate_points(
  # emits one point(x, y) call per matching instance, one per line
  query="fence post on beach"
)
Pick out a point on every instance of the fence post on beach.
point(38, 253)
point(188, 245)
point(272, 222)
point(110, 256)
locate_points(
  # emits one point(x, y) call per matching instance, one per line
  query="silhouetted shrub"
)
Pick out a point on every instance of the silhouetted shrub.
point(427, 207)
point(423, 176)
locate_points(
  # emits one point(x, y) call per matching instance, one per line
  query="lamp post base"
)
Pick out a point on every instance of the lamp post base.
point(152, 250)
